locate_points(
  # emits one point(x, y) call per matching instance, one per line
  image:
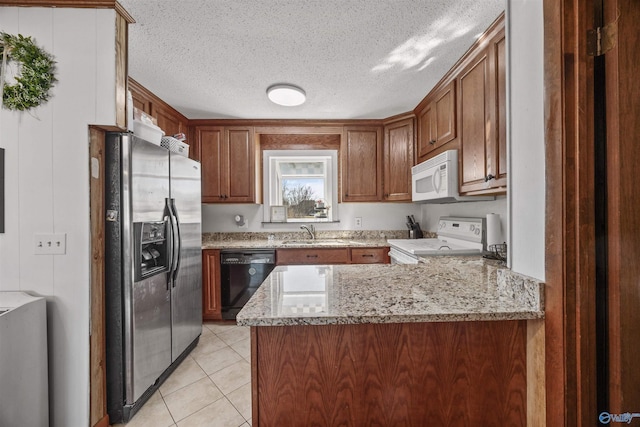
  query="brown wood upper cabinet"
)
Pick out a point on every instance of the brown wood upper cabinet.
point(169, 119)
point(361, 152)
point(483, 145)
point(228, 163)
point(398, 159)
point(436, 120)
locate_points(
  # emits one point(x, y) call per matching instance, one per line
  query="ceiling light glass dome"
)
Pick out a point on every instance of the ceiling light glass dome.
point(286, 94)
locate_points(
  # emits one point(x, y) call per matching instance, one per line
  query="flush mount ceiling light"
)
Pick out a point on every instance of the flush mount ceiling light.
point(287, 95)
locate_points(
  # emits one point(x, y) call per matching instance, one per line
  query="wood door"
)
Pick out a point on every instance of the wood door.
point(210, 140)
point(426, 131)
point(361, 151)
point(211, 302)
point(445, 114)
point(474, 109)
point(240, 167)
point(622, 65)
point(398, 159)
point(579, 220)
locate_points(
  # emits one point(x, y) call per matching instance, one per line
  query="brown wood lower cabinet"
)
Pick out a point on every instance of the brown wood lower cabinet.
point(410, 374)
point(312, 256)
point(301, 256)
point(211, 300)
point(370, 255)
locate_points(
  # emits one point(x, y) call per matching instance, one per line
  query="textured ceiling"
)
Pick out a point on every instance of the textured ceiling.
point(354, 58)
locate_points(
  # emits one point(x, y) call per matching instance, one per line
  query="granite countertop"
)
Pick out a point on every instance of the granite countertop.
point(324, 239)
point(441, 289)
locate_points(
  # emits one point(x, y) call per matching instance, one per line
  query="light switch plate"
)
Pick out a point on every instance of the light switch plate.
point(50, 243)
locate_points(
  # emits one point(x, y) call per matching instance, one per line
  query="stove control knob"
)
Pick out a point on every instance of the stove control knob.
point(477, 231)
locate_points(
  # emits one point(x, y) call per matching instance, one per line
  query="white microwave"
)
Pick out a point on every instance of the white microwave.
point(436, 180)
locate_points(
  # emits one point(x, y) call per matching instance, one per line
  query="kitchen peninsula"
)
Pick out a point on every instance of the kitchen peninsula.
point(439, 343)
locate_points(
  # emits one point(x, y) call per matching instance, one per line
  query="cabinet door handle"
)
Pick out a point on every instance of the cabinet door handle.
point(489, 177)
point(432, 142)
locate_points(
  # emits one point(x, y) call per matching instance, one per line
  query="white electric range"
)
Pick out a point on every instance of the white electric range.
point(456, 236)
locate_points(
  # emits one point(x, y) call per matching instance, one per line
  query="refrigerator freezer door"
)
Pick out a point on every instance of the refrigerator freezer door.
point(148, 305)
point(186, 300)
point(150, 181)
point(151, 334)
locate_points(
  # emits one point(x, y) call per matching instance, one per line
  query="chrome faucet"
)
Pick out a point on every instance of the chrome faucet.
point(310, 229)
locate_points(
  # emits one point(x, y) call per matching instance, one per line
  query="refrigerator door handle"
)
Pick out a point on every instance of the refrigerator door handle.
point(177, 242)
point(169, 234)
point(174, 264)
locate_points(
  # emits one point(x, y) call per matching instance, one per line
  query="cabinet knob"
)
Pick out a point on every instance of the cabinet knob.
point(489, 177)
point(432, 142)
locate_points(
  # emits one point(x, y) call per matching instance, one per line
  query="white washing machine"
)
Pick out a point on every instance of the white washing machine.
point(24, 389)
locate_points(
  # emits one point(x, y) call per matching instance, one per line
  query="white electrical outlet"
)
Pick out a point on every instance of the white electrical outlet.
point(50, 244)
point(358, 222)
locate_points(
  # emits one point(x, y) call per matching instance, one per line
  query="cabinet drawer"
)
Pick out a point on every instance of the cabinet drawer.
point(370, 255)
point(312, 256)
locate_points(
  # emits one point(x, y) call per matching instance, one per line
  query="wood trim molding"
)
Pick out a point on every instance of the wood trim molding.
point(98, 383)
point(83, 4)
point(399, 117)
point(291, 125)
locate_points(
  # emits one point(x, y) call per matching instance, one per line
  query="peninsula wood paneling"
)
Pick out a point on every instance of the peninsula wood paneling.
point(412, 374)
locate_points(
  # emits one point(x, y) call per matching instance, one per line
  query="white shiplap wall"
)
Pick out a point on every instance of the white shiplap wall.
point(47, 187)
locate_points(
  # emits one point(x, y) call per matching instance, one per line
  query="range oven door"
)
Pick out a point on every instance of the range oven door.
point(400, 257)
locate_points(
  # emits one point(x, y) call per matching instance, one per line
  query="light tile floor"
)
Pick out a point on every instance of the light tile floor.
point(210, 388)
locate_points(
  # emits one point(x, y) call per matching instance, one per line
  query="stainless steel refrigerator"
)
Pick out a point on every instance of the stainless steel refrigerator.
point(153, 272)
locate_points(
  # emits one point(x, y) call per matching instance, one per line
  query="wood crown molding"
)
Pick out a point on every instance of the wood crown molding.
point(86, 4)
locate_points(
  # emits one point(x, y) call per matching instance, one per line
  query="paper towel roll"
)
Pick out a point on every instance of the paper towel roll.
point(494, 230)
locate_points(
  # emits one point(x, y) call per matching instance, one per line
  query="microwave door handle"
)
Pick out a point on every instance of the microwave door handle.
point(437, 180)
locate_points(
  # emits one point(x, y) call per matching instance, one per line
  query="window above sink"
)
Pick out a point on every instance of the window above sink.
point(300, 186)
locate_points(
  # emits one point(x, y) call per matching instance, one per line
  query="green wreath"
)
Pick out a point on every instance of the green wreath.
point(36, 76)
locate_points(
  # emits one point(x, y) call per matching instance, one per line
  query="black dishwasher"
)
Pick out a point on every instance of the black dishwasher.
point(242, 272)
